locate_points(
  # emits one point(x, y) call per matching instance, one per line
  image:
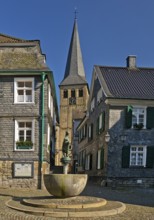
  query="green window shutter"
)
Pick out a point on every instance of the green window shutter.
point(150, 117)
point(150, 157)
point(90, 166)
point(125, 156)
point(86, 130)
point(128, 118)
point(103, 121)
point(97, 126)
point(102, 158)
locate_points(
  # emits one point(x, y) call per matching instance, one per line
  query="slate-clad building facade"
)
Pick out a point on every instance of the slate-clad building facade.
point(116, 137)
point(28, 113)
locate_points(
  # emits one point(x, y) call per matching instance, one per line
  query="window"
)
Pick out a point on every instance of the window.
point(24, 135)
point(92, 104)
point(100, 123)
point(80, 92)
point(100, 158)
point(52, 110)
point(90, 132)
point(48, 140)
point(49, 97)
point(81, 159)
point(24, 90)
point(138, 156)
point(83, 132)
point(88, 164)
point(139, 116)
point(73, 93)
point(65, 94)
point(99, 95)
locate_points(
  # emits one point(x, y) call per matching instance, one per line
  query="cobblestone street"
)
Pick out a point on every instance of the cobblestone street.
point(139, 202)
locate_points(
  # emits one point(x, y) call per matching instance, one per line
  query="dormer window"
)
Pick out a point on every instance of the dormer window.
point(92, 104)
point(99, 95)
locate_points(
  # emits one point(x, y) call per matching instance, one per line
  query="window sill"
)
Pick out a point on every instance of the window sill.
point(23, 150)
point(26, 103)
point(137, 167)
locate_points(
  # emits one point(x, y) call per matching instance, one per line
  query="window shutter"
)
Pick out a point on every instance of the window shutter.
point(90, 165)
point(102, 158)
point(103, 121)
point(86, 130)
point(150, 157)
point(125, 156)
point(91, 131)
point(97, 160)
point(128, 118)
point(150, 117)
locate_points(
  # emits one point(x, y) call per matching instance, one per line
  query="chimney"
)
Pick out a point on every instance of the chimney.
point(131, 61)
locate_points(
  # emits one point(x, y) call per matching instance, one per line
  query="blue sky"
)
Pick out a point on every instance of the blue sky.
point(109, 30)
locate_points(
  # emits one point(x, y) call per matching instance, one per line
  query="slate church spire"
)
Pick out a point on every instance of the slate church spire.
point(74, 72)
point(74, 91)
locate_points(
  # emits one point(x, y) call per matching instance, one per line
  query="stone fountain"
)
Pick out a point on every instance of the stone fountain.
point(65, 185)
point(64, 200)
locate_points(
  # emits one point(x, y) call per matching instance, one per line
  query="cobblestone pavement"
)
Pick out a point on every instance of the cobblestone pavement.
point(139, 202)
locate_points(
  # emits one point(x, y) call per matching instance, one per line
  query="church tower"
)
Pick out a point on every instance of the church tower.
point(74, 91)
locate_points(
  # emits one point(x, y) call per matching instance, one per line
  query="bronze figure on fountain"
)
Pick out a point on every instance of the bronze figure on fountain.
point(66, 149)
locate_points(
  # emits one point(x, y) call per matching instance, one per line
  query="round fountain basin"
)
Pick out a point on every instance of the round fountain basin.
point(65, 185)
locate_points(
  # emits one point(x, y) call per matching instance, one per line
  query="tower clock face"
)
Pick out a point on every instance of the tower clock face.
point(72, 100)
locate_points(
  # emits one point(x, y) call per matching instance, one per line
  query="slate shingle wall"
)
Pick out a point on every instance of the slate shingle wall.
point(9, 112)
point(127, 176)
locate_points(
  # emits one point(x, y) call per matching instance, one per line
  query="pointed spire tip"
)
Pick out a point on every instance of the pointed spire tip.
point(75, 13)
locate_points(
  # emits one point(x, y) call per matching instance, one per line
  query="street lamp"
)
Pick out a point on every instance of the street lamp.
point(107, 137)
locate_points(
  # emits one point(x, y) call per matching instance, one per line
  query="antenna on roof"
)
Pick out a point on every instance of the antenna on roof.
point(75, 13)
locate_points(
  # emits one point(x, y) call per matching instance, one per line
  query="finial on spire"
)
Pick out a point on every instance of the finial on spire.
point(75, 12)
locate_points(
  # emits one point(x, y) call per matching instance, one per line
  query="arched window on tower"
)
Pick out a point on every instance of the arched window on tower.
point(65, 94)
point(73, 93)
point(80, 92)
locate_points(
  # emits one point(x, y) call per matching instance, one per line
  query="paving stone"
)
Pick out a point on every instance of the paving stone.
point(139, 202)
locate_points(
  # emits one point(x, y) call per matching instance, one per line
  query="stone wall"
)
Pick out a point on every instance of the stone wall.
point(7, 179)
point(66, 112)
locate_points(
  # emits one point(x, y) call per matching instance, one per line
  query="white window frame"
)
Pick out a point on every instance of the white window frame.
point(99, 95)
point(100, 121)
point(137, 152)
point(99, 159)
point(48, 139)
point(87, 165)
point(17, 133)
point(89, 131)
point(23, 79)
point(52, 108)
point(92, 106)
point(137, 113)
point(49, 96)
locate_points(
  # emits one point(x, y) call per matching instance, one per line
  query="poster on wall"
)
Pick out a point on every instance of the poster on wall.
point(23, 169)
